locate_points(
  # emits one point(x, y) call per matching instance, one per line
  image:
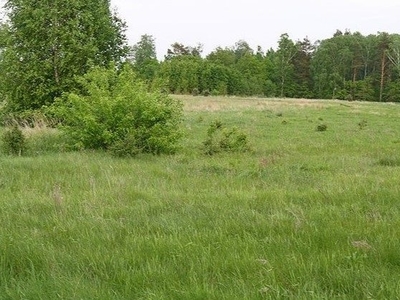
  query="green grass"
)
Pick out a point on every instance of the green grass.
point(306, 214)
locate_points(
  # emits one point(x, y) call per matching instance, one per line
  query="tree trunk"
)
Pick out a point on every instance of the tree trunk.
point(382, 76)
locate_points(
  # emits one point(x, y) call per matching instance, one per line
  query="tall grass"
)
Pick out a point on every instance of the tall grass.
point(304, 215)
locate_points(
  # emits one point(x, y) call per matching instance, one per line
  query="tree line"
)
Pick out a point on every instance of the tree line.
point(347, 66)
point(46, 48)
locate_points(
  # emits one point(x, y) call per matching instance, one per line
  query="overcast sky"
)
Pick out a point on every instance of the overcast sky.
point(222, 23)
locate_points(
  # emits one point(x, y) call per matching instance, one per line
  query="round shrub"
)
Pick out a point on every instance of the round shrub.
point(115, 112)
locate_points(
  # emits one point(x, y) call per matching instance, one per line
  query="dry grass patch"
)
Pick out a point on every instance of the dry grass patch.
point(212, 104)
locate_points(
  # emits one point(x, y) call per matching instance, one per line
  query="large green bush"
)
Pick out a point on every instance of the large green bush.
point(114, 111)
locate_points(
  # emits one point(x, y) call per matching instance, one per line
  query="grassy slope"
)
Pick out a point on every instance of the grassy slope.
point(305, 215)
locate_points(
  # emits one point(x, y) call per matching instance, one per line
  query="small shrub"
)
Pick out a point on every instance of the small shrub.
point(389, 162)
point(206, 93)
point(322, 127)
point(195, 92)
point(349, 97)
point(362, 124)
point(215, 92)
point(14, 142)
point(221, 139)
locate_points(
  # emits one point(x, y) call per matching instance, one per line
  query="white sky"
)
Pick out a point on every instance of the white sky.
point(222, 23)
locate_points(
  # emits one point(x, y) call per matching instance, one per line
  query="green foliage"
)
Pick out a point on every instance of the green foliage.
point(27, 118)
point(195, 92)
point(116, 113)
point(14, 141)
point(347, 66)
point(206, 93)
point(362, 124)
point(48, 44)
point(322, 127)
point(143, 56)
point(222, 139)
point(389, 161)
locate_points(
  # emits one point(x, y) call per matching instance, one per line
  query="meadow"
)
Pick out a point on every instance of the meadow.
point(305, 214)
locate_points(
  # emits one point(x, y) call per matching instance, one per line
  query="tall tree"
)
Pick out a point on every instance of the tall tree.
point(393, 52)
point(383, 46)
point(143, 56)
point(51, 42)
point(302, 68)
point(178, 49)
point(284, 61)
point(222, 56)
point(241, 49)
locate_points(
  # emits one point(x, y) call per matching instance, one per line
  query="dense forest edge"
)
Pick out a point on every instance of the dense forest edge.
point(46, 51)
point(348, 66)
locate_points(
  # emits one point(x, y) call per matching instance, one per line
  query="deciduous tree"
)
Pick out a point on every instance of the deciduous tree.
point(143, 56)
point(51, 42)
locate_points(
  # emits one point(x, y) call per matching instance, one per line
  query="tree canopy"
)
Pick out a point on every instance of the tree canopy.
point(47, 44)
point(345, 66)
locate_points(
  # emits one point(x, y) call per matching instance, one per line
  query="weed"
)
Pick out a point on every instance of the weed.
point(362, 124)
point(389, 162)
point(195, 92)
point(322, 127)
point(206, 93)
point(14, 142)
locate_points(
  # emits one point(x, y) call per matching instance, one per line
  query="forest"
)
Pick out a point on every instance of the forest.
point(347, 66)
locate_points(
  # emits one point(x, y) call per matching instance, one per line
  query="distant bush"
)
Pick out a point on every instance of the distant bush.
point(362, 124)
point(115, 112)
point(195, 92)
point(322, 127)
point(215, 92)
point(221, 139)
point(349, 97)
point(206, 93)
point(389, 162)
point(14, 142)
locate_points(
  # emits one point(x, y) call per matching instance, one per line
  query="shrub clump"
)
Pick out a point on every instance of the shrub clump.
point(195, 92)
point(14, 142)
point(115, 112)
point(222, 139)
point(206, 93)
point(322, 127)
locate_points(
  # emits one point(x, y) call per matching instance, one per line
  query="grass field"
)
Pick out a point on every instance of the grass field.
point(306, 214)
